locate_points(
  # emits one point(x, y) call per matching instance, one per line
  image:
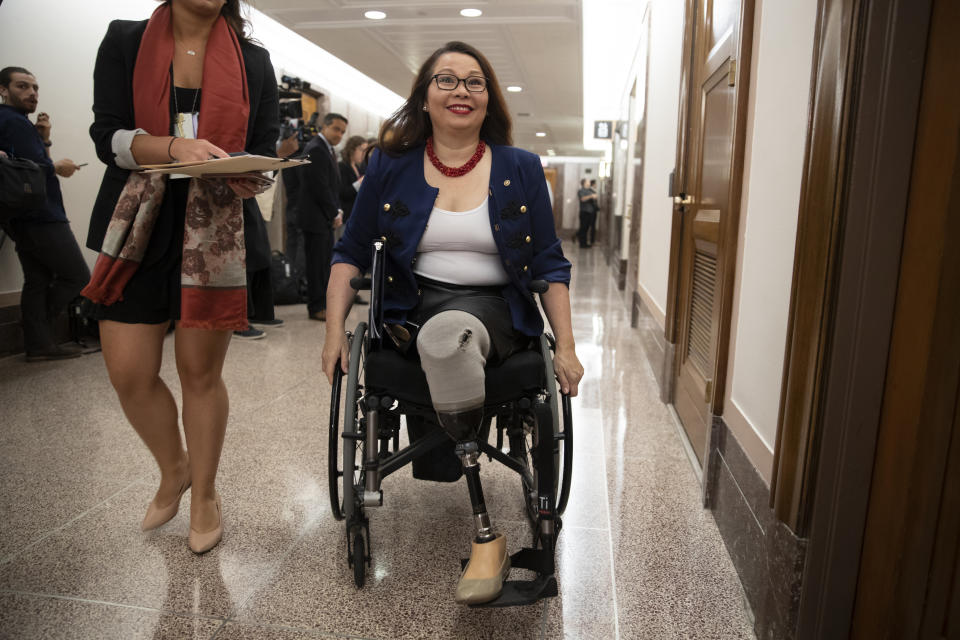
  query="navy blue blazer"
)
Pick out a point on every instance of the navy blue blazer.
point(395, 202)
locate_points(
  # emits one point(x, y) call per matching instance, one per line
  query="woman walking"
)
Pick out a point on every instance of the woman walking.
point(184, 85)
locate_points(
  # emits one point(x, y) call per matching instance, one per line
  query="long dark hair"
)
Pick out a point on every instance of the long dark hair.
point(352, 143)
point(234, 17)
point(410, 125)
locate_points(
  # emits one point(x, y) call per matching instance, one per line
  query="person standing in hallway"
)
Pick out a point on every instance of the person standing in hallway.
point(260, 311)
point(596, 213)
point(588, 199)
point(318, 210)
point(54, 270)
point(352, 167)
point(351, 173)
point(185, 85)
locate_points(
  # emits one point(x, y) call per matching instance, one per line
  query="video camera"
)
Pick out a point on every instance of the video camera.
point(291, 90)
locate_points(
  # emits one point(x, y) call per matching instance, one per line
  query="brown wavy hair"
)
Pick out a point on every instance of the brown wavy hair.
point(352, 143)
point(234, 17)
point(410, 125)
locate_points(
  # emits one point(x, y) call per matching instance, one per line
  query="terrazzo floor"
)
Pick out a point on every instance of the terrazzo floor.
point(638, 556)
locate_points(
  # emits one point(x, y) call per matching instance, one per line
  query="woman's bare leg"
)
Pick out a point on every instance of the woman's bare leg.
point(200, 356)
point(133, 353)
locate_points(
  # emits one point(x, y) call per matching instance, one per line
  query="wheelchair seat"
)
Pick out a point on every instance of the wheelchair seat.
point(521, 372)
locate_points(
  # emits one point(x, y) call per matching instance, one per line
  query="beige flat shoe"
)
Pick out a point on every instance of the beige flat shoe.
point(157, 515)
point(203, 542)
point(482, 578)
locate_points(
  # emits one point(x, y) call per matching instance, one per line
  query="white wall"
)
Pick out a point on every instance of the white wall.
point(776, 132)
point(62, 52)
point(666, 41)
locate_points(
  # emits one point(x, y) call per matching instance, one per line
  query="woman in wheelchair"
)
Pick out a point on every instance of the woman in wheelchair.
point(467, 225)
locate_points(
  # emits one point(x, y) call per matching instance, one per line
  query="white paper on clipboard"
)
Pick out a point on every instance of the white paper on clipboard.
point(233, 165)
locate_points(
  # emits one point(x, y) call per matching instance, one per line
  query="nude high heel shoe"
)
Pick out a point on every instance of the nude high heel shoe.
point(203, 542)
point(157, 515)
point(482, 578)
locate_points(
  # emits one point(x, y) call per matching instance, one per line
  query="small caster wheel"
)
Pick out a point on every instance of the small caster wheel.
point(359, 560)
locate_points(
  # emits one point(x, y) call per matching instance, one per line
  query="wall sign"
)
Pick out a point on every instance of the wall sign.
point(603, 129)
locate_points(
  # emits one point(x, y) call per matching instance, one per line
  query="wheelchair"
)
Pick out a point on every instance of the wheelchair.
point(522, 404)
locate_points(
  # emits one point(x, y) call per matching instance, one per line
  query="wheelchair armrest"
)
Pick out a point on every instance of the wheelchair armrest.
point(538, 286)
point(360, 283)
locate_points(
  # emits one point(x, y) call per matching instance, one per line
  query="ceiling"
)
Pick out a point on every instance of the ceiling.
point(532, 44)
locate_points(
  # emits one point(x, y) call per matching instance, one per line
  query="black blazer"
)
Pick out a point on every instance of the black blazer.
point(347, 193)
point(319, 189)
point(113, 110)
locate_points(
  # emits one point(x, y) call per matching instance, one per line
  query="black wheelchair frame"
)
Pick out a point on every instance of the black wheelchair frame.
point(537, 422)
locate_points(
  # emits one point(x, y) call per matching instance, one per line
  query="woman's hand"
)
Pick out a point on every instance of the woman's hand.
point(245, 188)
point(335, 350)
point(568, 369)
point(191, 150)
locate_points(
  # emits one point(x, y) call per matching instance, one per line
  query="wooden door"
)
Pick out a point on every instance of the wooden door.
point(709, 204)
point(909, 581)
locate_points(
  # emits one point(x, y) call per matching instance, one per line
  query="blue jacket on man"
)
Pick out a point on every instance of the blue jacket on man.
point(395, 203)
point(19, 138)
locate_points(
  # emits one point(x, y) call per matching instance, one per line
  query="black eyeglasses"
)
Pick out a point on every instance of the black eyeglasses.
point(449, 82)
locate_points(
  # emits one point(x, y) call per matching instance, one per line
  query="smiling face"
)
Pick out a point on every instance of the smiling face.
point(22, 93)
point(458, 110)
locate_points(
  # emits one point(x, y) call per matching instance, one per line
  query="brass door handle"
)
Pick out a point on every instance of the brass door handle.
point(685, 200)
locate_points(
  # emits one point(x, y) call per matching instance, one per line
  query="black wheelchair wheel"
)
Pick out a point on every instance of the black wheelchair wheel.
point(560, 430)
point(359, 560)
point(351, 473)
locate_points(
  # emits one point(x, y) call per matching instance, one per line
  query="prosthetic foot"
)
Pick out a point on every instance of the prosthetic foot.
point(482, 578)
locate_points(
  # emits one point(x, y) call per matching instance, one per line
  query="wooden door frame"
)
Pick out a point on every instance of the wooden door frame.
point(640, 151)
point(730, 225)
point(865, 85)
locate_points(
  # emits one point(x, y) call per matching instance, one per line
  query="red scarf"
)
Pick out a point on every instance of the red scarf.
point(213, 274)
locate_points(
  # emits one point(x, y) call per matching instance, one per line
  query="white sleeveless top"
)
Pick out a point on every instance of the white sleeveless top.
point(458, 247)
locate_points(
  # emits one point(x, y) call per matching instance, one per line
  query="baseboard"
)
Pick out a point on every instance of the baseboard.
point(620, 272)
point(651, 336)
point(667, 380)
point(767, 555)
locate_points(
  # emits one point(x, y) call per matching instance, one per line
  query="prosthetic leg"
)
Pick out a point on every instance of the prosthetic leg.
point(453, 348)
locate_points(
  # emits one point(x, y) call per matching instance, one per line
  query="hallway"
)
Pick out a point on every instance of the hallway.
point(639, 557)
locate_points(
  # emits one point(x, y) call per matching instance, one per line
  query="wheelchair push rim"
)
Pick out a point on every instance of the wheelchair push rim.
point(563, 453)
point(343, 484)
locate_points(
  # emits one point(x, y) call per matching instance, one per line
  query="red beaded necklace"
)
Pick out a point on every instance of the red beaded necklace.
point(454, 172)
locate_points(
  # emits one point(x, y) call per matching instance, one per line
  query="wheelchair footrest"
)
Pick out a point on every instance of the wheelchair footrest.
point(517, 593)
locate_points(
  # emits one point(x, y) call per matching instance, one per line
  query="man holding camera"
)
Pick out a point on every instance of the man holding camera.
point(54, 270)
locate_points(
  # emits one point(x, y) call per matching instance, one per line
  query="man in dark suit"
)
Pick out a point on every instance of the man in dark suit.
point(318, 211)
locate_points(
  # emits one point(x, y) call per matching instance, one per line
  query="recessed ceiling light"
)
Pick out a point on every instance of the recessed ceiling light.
point(471, 13)
point(374, 15)
point(514, 89)
point(541, 134)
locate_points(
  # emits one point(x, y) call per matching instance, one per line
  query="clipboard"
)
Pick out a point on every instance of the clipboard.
point(234, 166)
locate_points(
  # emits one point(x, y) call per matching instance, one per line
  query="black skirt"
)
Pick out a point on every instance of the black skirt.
point(152, 296)
point(486, 303)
